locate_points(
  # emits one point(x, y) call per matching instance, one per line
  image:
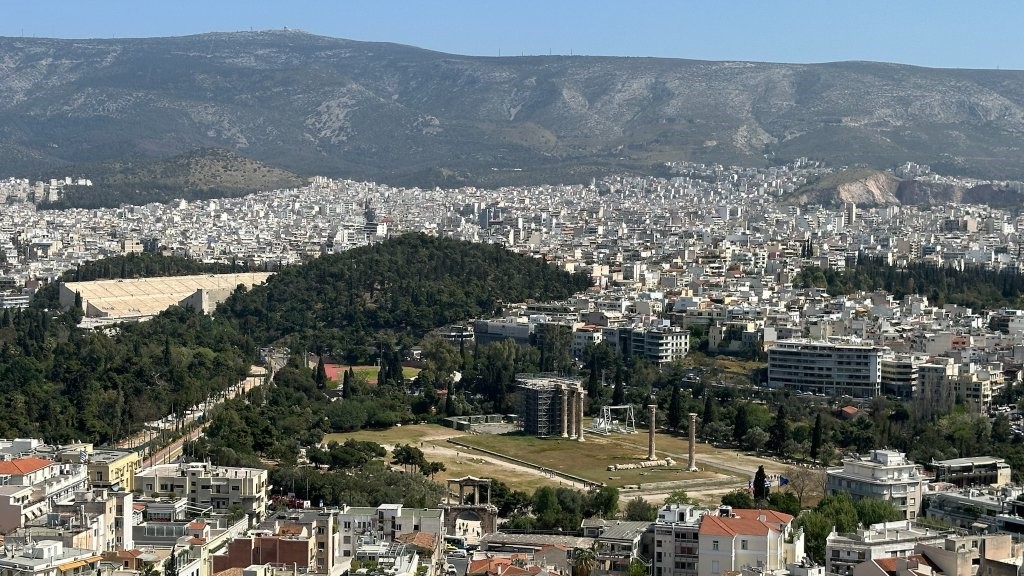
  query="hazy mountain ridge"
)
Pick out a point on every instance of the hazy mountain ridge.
point(317, 105)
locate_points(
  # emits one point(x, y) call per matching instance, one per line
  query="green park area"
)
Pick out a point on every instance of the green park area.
point(369, 372)
point(589, 459)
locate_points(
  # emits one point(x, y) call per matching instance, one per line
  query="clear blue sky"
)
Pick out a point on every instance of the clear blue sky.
point(939, 33)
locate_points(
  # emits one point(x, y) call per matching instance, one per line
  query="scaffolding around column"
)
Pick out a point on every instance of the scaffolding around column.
point(542, 410)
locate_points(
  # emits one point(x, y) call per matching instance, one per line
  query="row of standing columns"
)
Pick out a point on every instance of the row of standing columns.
point(573, 404)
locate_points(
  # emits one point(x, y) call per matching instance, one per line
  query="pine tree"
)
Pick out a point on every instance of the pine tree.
point(675, 409)
point(816, 436)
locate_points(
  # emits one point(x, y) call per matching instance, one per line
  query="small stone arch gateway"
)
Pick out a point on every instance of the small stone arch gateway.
point(476, 508)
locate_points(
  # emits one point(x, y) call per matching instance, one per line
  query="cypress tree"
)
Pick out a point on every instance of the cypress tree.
point(709, 412)
point(816, 436)
point(321, 374)
point(761, 488)
point(780, 430)
point(742, 423)
point(675, 408)
point(618, 394)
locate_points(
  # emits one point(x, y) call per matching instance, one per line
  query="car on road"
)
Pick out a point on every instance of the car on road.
point(457, 553)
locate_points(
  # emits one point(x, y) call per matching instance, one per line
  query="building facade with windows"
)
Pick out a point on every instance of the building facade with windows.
point(974, 471)
point(826, 368)
point(217, 488)
point(747, 540)
point(883, 475)
point(676, 540)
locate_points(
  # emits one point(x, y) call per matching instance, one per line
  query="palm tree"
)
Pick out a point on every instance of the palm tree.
point(584, 561)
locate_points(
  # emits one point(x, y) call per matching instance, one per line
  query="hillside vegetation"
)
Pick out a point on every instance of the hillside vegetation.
point(196, 175)
point(397, 114)
point(393, 292)
point(62, 383)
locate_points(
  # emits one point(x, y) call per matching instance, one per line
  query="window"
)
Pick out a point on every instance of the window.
point(743, 544)
point(348, 539)
point(714, 545)
point(715, 567)
point(348, 525)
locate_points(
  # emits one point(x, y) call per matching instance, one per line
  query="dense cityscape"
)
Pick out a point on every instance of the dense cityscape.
point(710, 276)
point(574, 288)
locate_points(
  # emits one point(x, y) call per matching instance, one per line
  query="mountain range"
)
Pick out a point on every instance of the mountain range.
point(310, 105)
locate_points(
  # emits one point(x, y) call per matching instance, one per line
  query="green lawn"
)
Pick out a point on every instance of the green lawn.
point(432, 439)
point(589, 459)
point(369, 373)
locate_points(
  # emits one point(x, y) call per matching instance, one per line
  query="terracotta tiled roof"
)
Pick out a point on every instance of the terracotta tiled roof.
point(196, 525)
point(888, 565)
point(490, 565)
point(421, 540)
point(746, 522)
point(23, 465)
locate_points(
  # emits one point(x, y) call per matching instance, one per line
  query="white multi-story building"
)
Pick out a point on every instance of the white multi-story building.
point(218, 487)
point(676, 536)
point(883, 475)
point(366, 525)
point(826, 368)
point(734, 540)
point(658, 344)
point(49, 558)
point(29, 487)
point(584, 336)
point(885, 540)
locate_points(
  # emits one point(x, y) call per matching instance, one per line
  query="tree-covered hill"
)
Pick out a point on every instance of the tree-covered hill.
point(63, 383)
point(398, 290)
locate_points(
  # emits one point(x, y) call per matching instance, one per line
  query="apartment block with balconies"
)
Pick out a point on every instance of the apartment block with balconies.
point(883, 475)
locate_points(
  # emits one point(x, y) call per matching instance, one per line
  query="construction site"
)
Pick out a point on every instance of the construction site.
point(551, 405)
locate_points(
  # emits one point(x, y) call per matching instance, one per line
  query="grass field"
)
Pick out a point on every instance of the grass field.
point(369, 373)
point(432, 439)
point(589, 459)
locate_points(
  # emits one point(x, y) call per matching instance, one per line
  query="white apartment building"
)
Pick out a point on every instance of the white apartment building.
point(884, 475)
point(826, 368)
point(658, 344)
point(584, 336)
point(220, 488)
point(885, 540)
point(48, 558)
point(676, 540)
point(364, 525)
point(943, 382)
point(734, 540)
point(29, 487)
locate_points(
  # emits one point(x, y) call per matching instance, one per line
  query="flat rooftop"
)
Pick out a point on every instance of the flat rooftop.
point(972, 461)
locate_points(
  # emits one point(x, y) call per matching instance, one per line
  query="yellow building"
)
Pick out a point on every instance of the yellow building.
point(113, 469)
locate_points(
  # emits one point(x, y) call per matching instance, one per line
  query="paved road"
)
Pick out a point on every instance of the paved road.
point(257, 376)
point(461, 564)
